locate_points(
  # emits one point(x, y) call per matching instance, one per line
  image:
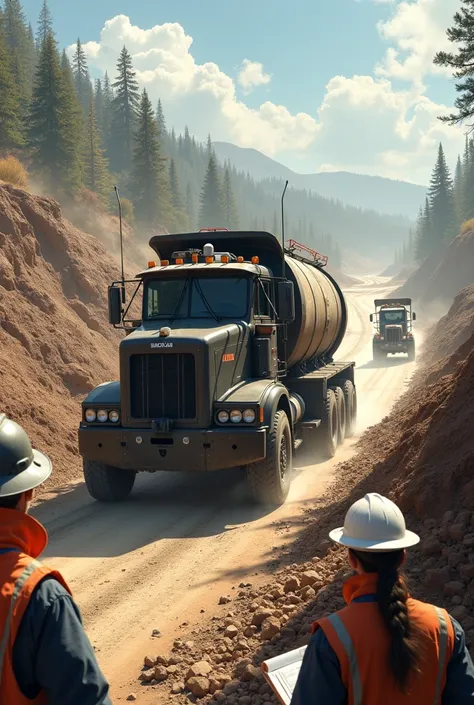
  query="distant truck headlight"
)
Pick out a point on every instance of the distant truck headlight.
point(90, 415)
point(236, 416)
point(249, 415)
point(114, 416)
point(223, 416)
point(102, 415)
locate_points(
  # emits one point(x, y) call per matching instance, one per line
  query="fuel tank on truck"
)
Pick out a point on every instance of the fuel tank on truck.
point(321, 313)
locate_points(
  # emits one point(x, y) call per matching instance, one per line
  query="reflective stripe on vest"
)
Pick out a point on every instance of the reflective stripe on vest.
point(346, 642)
point(29, 570)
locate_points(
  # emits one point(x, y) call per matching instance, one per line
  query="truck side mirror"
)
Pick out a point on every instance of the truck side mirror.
point(371, 317)
point(115, 305)
point(413, 315)
point(286, 302)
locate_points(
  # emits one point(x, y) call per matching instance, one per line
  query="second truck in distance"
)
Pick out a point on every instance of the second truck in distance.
point(231, 365)
point(393, 321)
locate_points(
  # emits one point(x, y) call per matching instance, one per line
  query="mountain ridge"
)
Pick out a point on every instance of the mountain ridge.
point(387, 196)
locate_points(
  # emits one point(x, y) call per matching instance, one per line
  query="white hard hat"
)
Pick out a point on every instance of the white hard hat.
point(376, 524)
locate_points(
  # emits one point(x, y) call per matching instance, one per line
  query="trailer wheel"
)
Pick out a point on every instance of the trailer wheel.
point(341, 414)
point(106, 483)
point(269, 479)
point(351, 407)
point(329, 429)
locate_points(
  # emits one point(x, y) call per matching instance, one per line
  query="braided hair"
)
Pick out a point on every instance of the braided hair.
point(392, 596)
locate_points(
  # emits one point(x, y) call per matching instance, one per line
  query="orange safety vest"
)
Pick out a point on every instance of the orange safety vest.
point(359, 638)
point(22, 540)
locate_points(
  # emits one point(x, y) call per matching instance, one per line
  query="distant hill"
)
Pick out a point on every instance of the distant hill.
point(368, 192)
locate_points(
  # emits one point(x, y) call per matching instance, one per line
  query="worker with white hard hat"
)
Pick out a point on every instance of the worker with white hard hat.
point(384, 647)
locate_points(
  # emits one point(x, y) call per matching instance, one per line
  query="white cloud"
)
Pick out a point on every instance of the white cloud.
point(363, 123)
point(417, 30)
point(252, 75)
point(200, 95)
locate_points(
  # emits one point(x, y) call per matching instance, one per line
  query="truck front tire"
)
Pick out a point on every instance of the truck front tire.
point(378, 355)
point(411, 353)
point(269, 479)
point(106, 483)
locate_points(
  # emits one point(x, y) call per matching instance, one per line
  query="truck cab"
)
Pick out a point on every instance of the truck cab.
point(393, 319)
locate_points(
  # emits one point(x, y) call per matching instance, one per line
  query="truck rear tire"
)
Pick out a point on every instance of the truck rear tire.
point(269, 479)
point(341, 414)
point(106, 483)
point(329, 429)
point(351, 407)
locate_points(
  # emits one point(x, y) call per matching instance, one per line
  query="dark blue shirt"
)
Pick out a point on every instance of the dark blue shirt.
point(320, 683)
point(52, 652)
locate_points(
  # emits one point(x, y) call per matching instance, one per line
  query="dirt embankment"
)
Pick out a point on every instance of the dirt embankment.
point(442, 275)
point(422, 456)
point(55, 340)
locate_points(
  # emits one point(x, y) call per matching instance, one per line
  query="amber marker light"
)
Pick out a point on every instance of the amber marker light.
point(224, 259)
point(151, 264)
point(240, 259)
point(261, 414)
point(165, 262)
point(255, 260)
point(179, 260)
point(195, 258)
point(209, 260)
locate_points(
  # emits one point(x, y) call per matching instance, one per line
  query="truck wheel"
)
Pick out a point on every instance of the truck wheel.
point(411, 353)
point(269, 479)
point(378, 355)
point(106, 483)
point(341, 414)
point(351, 407)
point(329, 429)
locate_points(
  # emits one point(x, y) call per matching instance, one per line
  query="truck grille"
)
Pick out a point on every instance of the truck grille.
point(163, 386)
point(393, 335)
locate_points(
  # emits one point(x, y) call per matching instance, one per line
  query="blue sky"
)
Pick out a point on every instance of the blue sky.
point(326, 84)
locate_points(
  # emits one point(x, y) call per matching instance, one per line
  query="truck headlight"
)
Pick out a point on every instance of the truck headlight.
point(249, 415)
point(114, 416)
point(90, 415)
point(223, 416)
point(236, 416)
point(102, 415)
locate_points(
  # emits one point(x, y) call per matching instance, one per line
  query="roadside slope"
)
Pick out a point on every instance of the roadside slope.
point(55, 341)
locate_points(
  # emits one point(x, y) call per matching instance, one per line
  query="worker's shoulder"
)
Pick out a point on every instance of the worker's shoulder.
point(48, 591)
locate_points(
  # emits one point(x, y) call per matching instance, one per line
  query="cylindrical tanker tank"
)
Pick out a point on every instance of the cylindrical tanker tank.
point(321, 313)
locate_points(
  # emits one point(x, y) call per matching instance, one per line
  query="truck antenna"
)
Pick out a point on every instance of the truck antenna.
point(121, 241)
point(283, 229)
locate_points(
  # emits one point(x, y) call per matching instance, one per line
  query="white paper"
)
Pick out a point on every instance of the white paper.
point(282, 673)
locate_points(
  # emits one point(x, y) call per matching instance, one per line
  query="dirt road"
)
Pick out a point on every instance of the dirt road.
point(182, 541)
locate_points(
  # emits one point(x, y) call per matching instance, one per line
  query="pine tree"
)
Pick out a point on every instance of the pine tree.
point(160, 119)
point(10, 114)
point(125, 105)
point(440, 194)
point(95, 168)
point(105, 123)
point(231, 216)
point(149, 187)
point(53, 126)
point(423, 237)
point(211, 213)
point(45, 25)
point(98, 104)
point(190, 207)
point(458, 192)
point(461, 63)
point(467, 186)
point(19, 45)
point(82, 80)
point(176, 198)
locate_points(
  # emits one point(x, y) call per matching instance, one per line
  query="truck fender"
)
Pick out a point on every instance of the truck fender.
point(276, 398)
point(105, 393)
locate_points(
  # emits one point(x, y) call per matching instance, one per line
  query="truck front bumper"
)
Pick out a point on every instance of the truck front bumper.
point(394, 347)
point(180, 450)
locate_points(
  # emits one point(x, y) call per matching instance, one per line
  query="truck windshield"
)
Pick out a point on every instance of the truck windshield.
point(393, 316)
point(197, 297)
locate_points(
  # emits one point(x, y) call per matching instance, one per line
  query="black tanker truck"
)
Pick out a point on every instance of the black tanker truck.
point(230, 365)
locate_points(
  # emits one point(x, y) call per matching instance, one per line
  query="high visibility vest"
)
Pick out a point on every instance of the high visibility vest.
point(359, 637)
point(20, 573)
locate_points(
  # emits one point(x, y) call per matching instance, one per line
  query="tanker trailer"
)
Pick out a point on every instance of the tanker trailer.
point(230, 365)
